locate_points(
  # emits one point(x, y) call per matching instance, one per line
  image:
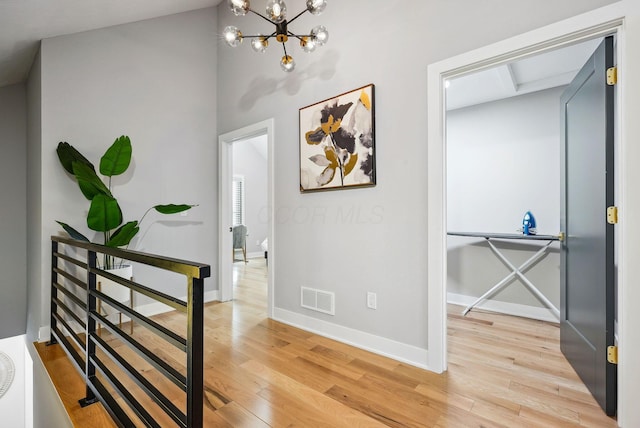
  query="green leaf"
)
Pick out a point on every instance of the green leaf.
point(123, 235)
point(68, 154)
point(104, 213)
point(72, 232)
point(172, 208)
point(117, 158)
point(89, 182)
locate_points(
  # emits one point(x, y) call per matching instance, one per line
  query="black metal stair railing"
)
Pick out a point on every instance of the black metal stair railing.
point(112, 374)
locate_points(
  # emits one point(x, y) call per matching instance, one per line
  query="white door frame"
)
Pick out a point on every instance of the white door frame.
point(225, 177)
point(596, 23)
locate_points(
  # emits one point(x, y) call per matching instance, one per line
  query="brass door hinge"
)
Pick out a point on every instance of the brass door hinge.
point(612, 354)
point(612, 215)
point(612, 76)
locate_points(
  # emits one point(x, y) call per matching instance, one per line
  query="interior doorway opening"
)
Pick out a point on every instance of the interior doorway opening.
point(511, 156)
point(503, 163)
point(569, 32)
point(255, 146)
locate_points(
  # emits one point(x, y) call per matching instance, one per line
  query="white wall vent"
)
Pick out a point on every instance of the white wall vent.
point(318, 300)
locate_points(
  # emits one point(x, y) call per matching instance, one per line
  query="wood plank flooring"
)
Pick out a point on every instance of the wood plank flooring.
point(503, 372)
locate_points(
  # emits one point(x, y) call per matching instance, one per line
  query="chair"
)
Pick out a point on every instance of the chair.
point(240, 241)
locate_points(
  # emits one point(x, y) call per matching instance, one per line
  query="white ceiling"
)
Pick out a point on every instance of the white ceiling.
point(23, 23)
point(531, 74)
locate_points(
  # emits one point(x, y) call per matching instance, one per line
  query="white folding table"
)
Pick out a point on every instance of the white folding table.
point(515, 271)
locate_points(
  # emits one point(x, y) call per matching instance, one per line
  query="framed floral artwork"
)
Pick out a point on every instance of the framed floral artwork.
point(337, 142)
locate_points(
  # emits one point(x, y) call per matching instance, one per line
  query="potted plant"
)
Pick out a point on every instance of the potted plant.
point(105, 214)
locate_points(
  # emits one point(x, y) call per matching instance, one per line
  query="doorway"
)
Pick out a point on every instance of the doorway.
point(261, 131)
point(503, 163)
point(507, 156)
point(566, 33)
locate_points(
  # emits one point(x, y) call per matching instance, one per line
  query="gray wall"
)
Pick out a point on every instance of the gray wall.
point(380, 244)
point(388, 220)
point(155, 81)
point(34, 202)
point(503, 159)
point(13, 210)
point(249, 161)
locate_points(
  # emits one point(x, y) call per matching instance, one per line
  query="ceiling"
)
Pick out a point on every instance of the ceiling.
point(535, 73)
point(23, 23)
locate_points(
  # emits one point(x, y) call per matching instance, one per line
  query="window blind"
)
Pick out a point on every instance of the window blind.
point(237, 192)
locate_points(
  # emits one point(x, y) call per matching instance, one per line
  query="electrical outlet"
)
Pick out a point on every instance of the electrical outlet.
point(372, 300)
point(257, 242)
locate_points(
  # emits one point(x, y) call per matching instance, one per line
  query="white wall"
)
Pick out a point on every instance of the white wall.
point(154, 81)
point(249, 160)
point(13, 210)
point(372, 239)
point(503, 159)
point(47, 407)
point(12, 403)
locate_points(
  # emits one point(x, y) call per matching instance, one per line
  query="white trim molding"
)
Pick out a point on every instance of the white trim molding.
point(516, 309)
point(225, 172)
point(402, 352)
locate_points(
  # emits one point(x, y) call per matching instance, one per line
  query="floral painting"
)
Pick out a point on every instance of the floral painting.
point(337, 139)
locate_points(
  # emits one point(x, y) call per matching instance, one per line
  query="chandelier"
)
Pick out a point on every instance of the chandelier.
point(277, 14)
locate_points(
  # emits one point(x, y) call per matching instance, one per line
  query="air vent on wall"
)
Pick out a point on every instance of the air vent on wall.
point(317, 300)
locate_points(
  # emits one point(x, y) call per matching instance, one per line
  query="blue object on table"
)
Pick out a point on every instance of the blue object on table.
point(529, 224)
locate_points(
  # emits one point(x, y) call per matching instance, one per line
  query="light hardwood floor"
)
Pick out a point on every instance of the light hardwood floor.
point(503, 372)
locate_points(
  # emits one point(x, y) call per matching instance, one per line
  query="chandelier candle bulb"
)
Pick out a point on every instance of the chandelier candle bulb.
point(287, 63)
point(320, 35)
point(233, 36)
point(259, 44)
point(239, 7)
point(307, 44)
point(316, 6)
point(276, 13)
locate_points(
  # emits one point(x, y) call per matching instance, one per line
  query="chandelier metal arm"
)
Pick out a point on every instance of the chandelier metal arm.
point(298, 16)
point(276, 14)
point(298, 36)
point(261, 16)
point(258, 36)
point(270, 35)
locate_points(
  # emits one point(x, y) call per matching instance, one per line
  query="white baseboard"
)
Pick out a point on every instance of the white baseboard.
point(534, 312)
point(379, 345)
point(255, 255)
point(44, 333)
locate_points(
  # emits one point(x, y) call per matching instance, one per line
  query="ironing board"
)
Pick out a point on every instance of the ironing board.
point(515, 271)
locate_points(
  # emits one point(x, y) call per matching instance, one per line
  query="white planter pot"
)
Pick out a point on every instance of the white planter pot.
point(114, 290)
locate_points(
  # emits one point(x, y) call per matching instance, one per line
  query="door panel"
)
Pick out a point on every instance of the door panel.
point(587, 262)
